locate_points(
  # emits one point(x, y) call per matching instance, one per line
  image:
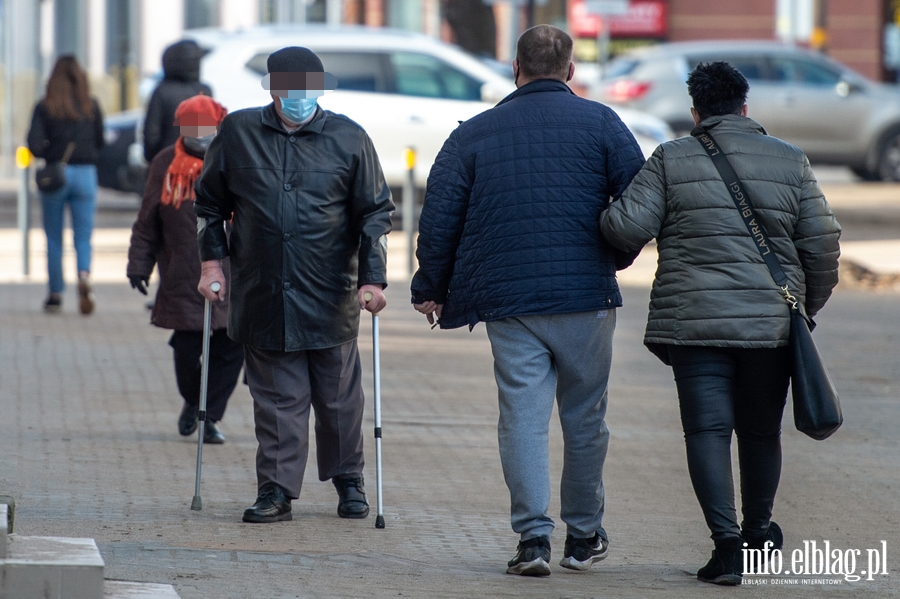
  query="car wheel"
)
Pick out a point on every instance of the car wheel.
point(889, 157)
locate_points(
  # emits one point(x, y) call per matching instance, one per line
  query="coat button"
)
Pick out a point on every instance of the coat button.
point(286, 237)
point(292, 139)
point(287, 186)
point(286, 285)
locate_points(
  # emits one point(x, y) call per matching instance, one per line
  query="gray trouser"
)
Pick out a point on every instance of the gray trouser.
point(536, 357)
point(283, 386)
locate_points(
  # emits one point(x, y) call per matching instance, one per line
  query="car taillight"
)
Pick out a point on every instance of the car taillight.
point(626, 90)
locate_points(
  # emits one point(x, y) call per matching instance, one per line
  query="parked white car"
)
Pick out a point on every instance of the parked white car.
point(405, 89)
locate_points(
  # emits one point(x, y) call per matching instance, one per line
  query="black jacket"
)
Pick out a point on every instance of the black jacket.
point(509, 226)
point(49, 136)
point(181, 64)
point(311, 210)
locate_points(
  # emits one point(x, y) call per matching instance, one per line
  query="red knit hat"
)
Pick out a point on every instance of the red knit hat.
point(199, 111)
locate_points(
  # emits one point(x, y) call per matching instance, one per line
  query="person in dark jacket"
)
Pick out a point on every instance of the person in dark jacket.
point(181, 80)
point(67, 126)
point(716, 315)
point(310, 211)
point(165, 234)
point(509, 235)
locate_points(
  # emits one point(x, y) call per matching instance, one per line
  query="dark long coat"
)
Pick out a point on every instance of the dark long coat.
point(311, 210)
point(168, 237)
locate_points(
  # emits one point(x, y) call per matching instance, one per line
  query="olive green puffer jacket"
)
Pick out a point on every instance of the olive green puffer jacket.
point(712, 287)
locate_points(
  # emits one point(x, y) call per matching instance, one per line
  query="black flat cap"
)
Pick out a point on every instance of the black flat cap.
point(294, 59)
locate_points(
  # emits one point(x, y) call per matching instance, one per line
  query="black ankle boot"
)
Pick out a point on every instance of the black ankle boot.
point(726, 565)
point(772, 534)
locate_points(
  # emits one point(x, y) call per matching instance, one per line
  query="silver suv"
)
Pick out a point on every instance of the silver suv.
point(832, 113)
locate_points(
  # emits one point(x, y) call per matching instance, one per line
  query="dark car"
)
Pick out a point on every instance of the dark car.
point(121, 165)
point(835, 115)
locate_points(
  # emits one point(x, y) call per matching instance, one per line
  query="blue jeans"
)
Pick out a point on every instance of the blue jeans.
point(80, 192)
point(536, 358)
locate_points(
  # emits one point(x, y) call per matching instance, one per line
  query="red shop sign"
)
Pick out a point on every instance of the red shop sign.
point(645, 18)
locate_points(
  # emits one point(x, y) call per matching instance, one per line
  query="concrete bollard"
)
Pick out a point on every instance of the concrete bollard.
point(10, 503)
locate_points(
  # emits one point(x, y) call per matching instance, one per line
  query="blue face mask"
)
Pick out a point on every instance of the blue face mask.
point(297, 110)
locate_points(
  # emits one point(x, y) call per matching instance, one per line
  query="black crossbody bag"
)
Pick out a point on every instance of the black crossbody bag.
point(53, 175)
point(817, 408)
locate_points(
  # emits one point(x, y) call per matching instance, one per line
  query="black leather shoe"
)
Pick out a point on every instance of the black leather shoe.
point(212, 434)
point(271, 506)
point(187, 420)
point(351, 496)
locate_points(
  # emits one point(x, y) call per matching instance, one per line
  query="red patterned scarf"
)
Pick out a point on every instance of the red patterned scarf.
point(178, 185)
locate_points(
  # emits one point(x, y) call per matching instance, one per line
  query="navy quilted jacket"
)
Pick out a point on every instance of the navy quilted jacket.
point(510, 221)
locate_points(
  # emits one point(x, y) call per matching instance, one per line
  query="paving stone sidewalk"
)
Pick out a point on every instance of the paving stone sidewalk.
point(89, 448)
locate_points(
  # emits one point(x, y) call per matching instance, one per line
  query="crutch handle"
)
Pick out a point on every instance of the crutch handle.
point(368, 296)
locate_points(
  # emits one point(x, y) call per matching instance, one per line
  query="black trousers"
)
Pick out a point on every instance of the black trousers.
point(225, 360)
point(721, 390)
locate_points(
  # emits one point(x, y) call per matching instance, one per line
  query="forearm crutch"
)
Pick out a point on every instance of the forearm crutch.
point(376, 358)
point(196, 504)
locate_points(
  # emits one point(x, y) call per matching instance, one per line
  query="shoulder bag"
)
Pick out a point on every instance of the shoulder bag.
point(817, 408)
point(53, 175)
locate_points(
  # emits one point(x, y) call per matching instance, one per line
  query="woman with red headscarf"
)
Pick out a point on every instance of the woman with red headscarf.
point(165, 234)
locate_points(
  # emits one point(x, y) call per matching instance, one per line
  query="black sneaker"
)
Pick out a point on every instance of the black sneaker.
point(532, 558)
point(726, 565)
point(580, 554)
point(53, 303)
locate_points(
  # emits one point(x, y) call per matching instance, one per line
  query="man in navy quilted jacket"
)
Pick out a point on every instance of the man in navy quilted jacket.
point(509, 235)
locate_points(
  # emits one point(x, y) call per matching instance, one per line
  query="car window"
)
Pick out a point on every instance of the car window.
point(751, 66)
point(430, 77)
point(355, 71)
point(620, 67)
point(804, 71)
point(358, 71)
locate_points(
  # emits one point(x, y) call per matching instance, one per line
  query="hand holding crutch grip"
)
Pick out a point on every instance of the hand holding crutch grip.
point(196, 504)
point(379, 518)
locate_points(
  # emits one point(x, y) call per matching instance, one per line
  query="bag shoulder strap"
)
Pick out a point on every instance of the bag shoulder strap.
point(744, 205)
point(68, 153)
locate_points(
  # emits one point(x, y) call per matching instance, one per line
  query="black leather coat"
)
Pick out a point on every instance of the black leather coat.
point(311, 210)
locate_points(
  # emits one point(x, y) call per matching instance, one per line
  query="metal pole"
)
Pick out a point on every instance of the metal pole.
point(603, 43)
point(8, 109)
point(334, 12)
point(23, 160)
point(197, 504)
point(409, 209)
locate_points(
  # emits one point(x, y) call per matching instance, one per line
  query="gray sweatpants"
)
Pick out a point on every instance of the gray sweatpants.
point(535, 358)
point(284, 385)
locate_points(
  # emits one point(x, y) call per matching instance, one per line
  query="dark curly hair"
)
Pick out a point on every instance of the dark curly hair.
point(717, 88)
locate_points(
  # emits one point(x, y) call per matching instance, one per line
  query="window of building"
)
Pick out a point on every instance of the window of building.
point(201, 13)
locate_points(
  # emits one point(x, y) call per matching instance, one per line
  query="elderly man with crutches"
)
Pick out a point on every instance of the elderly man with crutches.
point(310, 212)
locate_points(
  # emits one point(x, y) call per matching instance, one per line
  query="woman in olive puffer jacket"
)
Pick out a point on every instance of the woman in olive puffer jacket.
point(716, 315)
